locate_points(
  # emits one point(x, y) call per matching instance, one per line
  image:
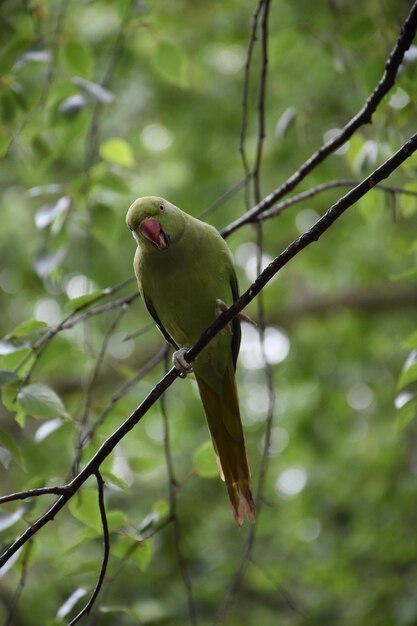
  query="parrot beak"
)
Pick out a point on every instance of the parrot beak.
point(153, 231)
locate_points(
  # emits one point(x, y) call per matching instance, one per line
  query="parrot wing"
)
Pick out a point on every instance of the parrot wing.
point(158, 322)
point(236, 331)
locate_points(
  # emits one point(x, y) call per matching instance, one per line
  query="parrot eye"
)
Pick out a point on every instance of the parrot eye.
point(161, 208)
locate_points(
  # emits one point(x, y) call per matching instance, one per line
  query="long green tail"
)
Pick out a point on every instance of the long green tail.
point(223, 418)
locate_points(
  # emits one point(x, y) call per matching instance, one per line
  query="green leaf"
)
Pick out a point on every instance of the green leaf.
point(404, 417)
point(82, 301)
point(204, 461)
point(85, 509)
point(78, 58)
point(5, 457)
point(70, 603)
point(409, 373)
point(27, 328)
point(161, 508)
point(9, 442)
point(115, 520)
point(7, 377)
point(106, 224)
point(49, 213)
point(286, 120)
point(8, 347)
point(411, 342)
point(117, 151)
point(93, 90)
point(109, 477)
point(143, 554)
point(170, 62)
point(41, 401)
point(8, 396)
point(12, 360)
point(103, 175)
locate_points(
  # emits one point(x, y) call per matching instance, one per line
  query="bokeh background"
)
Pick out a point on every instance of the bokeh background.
point(102, 102)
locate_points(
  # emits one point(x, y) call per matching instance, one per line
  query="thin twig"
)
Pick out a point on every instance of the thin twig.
point(229, 193)
point(172, 492)
point(245, 100)
point(123, 389)
point(92, 134)
point(71, 320)
point(31, 493)
point(106, 550)
point(50, 75)
point(364, 116)
point(21, 584)
point(93, 380)
point(139, 332)
point(261, 100)
point(126, 558)
point(309, 237)
point(256, 174)
point(317, 189)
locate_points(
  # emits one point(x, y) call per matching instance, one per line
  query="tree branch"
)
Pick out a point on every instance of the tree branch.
point(364, 116)
point(317, 189)
point(106, 550)
point(269, 382)
point(31, 493)
point(173, 512)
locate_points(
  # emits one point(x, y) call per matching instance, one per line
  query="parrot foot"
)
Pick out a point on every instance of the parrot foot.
point(179, 362)
point(242, 317)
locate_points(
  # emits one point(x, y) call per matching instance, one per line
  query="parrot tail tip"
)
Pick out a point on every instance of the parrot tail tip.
point(242, 503)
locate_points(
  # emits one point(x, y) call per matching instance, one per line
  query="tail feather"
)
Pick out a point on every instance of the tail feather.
point(223, 418)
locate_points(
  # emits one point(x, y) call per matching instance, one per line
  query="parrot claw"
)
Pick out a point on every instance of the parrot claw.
point(179, 362)
point(242, 317)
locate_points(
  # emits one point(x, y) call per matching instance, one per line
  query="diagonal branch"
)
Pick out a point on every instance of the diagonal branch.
point(364, 116)
point(309, 237)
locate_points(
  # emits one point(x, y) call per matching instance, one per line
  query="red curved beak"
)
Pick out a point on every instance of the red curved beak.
point(152, 230)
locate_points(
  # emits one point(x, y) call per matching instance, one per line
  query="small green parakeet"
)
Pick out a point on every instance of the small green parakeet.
point(186, 278)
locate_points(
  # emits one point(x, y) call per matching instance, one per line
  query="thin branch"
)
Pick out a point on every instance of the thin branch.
point(50, 75)
point(250, 541)
point(103, 308)
point(261, 100)
point(123, 389)
point(130, 550)
point(309, 237)
point(93, 380)
point(172, 492)
point(31, 493)
point(245, 99)
point(364, 116)
point(21, 584)
point(139, 332)
point(317, 189)
point(229, 193)
point(106, 550)
point(92, 134)
point(71, 320)
point(53, 64)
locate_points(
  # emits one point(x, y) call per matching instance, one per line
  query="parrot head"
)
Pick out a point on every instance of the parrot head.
point(155, 223)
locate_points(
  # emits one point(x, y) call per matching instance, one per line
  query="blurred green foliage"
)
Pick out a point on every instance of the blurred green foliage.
point(102, 102)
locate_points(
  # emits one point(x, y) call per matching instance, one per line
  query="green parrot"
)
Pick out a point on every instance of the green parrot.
point(186, 278)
